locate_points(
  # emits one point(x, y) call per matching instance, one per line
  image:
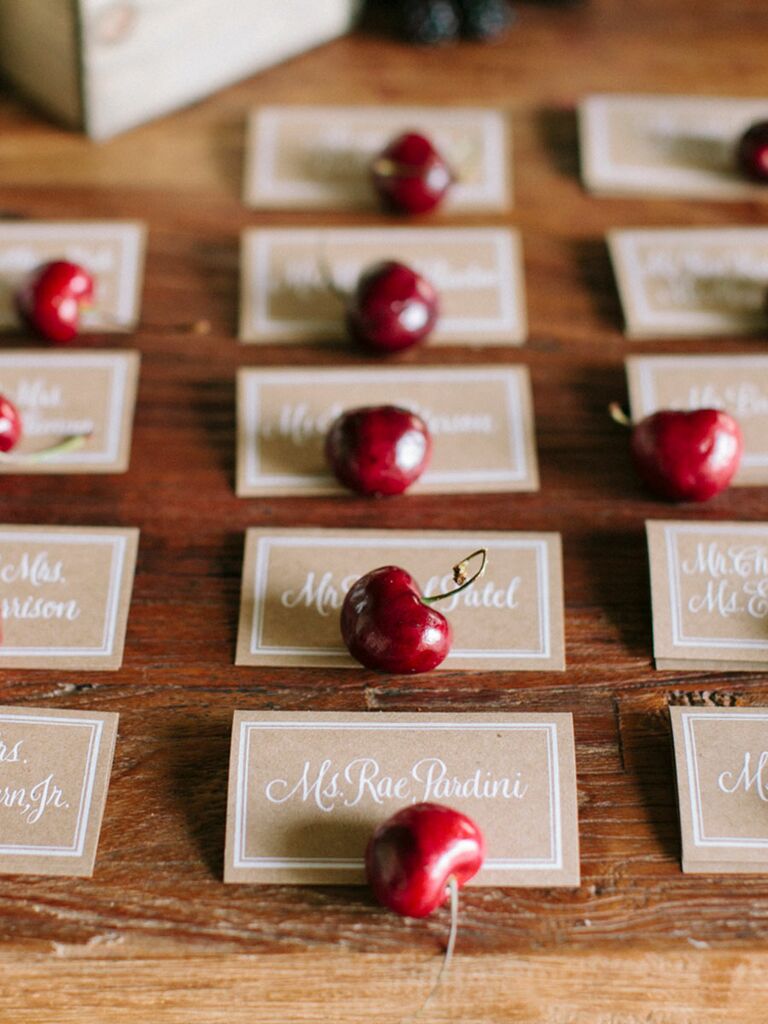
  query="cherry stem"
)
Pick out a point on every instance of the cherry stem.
point(453, 889)
point(69, 444)
point(618, 415)
point(460, 575)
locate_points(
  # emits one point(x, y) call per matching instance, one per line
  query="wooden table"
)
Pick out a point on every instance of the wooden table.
point(155, 935)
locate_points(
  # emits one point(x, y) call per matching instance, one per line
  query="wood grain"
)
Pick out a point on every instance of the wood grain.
point(155, 934)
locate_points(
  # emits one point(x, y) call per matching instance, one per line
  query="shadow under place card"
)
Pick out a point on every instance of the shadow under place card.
point(667, 145)
point(319, 157)
point(709, 589)
point(737, 384)
point(64, 394)
point(307, 789)
point(721, 757)
point(480, 419)
point(64, 596)
point(111, 251)
point(294, 582)
point(54, 776)
point(290, 279)
point(682, 282)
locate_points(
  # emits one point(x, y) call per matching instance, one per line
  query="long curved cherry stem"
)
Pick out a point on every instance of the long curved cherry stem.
point(460, 575)
point(618, 415)
point(453, 889)
point(69, 444)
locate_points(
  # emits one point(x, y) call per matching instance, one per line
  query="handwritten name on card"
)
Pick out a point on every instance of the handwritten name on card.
point(64, 596)
point(286, 294)
point(284, 415)
point(294, 583)
point(307, 789)
point(54, 775)
point(721, 757)
point(318, 157)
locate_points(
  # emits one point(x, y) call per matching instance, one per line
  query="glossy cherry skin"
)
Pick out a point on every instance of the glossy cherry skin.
point(412, 855)
point(386, 625)
point(687, 456)
point(752, 152)
point(50, 299)
point(378, 449)
point(10, 425)
point(410, 175)
point(392, 308)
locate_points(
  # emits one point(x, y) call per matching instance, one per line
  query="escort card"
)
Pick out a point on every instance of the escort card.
point(307, 789)
point(709, 587)
point(64, 596)
point(667, 145)
point(721, 757)
point(738, 384)
point(692, 281)
point(54, 775)
point(480, 419)
point(63, 394)
point(319, 157)
point(113, 252)
point(290, 277)
point(294, 582)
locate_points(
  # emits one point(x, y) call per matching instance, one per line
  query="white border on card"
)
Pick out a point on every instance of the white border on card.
point(553, 862)
point(112, 604)
point(254, 379)
point(261, 576)
point(76, 848)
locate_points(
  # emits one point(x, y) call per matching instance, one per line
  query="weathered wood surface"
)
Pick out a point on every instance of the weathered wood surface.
point(155, 935)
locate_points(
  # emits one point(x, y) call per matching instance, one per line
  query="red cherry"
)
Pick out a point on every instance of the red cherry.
point(412, 856)
point(752, 152)
point(391, 308)
point(410, 175)
point(49, 301)
point(379, 449)
point(687, 456)
point(10, 425)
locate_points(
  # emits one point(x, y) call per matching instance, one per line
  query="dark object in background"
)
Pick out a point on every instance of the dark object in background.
point(429, 22)
point(484, 19)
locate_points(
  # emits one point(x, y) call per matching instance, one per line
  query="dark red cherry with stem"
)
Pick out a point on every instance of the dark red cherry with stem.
point(412, 857)
point(387, 623)
point(685, 456)
point(51, 298)
point(752, 152)
point(10, 425)
point(410, 175)
point(378, 449)
point(392, 308)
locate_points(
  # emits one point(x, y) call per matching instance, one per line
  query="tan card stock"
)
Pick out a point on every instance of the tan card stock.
point(306, 790)
point(54, 776)
point(667, 145)
point(738, 384)
point(721, 757)
point(290, 278)
point(480, 419)
point(66, 394)
point(112, 251)
point(691, 281)
point(294, 582)
point(709, 585)
point(319, 157)
point(64, 595)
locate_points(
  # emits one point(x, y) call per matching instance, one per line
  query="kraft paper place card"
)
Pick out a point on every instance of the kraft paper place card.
point(54, 776)
point(294, 582)
point(738, 384)
point(667, 145)
point(682, 282)
point(307, 789)
point(480, 419)
point(290, 278)
point(319, 157)
point(709, 588)
point(111, 251)
point(64, 595)
point(62, 394)
point(721, 757)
